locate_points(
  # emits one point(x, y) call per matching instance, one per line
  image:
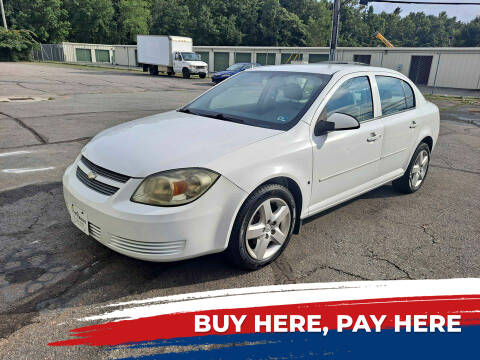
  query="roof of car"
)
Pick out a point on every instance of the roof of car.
point(326, 67)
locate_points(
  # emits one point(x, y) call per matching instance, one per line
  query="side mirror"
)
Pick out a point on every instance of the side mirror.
point(335, 122)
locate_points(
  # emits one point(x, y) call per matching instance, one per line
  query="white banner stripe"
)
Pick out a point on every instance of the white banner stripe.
point(288, 294)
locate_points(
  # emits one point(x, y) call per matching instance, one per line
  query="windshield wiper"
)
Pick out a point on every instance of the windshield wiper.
point(224, 117)
point(186, 111)
point(218, 116)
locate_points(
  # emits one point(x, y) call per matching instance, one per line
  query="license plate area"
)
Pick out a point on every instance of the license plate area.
point(79, 218)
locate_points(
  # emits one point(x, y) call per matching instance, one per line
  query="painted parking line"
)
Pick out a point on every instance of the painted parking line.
point(14, 153)
point(26, 170)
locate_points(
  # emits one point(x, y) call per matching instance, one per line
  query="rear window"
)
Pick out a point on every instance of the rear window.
point(395, 94)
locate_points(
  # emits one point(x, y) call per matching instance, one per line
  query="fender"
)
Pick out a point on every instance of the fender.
point(283, 155)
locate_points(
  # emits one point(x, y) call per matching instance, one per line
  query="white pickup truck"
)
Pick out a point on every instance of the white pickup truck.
point(169, 54)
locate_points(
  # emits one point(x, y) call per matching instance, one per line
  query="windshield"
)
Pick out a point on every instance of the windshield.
point(188, 56)
point(235, 67)
point(272, 99)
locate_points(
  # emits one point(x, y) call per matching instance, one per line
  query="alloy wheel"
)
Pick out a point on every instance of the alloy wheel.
point(268, 229)
point(419, 169)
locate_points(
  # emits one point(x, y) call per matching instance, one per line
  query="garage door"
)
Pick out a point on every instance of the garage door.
point(220, 61)
point(243, 57)
point(315, 58)
point(287, 58)
point(266, 59)
point(420, 69)
point(102, 56)
point(83, 55)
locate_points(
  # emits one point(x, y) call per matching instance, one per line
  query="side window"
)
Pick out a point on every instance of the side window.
point(392, 94)
point(409, 95)
point(354, 98)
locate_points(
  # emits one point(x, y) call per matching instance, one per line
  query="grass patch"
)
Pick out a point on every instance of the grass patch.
point(456, 100)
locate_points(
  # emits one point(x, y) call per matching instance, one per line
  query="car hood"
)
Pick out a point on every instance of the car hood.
point(169, 141)
point(196, 63)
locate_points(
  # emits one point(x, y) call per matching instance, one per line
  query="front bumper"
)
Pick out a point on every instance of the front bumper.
point(198, 71)
point(218, 79)
point(156, 233)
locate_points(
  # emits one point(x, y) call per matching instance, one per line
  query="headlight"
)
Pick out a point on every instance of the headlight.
point(174, 187)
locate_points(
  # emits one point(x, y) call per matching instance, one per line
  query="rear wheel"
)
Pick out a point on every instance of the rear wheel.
point(170, 73)
point(416, 172)
point(263, 227)
point(186, 73)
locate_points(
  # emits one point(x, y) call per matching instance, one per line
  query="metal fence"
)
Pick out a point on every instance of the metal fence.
point(49, 52)
point(429, 68)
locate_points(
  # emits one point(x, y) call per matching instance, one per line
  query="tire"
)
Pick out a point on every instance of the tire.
point(407, 183)
point(186, 73)
point(153, 70)
point(274, 232)
point(170, 73)
point(202, 75)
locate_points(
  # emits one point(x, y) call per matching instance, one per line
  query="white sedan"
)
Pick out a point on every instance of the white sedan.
point(242, 165)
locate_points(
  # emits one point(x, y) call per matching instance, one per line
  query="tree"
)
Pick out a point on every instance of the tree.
point(319, 24)
point(470, 34)
point(133, 18)
point(234, 22)
point(279, 27)
point(46, 18)
point(16, 45)
point(91, 20)
point(171, 17)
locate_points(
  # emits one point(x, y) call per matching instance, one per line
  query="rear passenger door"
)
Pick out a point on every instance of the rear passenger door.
point(398, 117)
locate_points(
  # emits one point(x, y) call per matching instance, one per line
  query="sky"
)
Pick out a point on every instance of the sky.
point(463, 13)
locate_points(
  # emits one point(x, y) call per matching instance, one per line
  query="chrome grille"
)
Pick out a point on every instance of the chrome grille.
point(94, 231)
point(104, 172)
point(143, 247)
point(94, 184)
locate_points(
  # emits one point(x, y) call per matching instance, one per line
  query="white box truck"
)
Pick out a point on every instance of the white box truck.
point(169, 54)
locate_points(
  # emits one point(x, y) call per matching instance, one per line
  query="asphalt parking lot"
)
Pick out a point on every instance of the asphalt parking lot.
point(48, 267)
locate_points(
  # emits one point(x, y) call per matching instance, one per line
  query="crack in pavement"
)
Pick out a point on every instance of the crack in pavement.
point(49, 143)
point(341, 271)
point(92, 113)
point(29, 88)
point(432, 236)
point(22, 314)
point(455, 169)
point(25, 126)
point(346, 272)
point(374, 256)
point(285, 270)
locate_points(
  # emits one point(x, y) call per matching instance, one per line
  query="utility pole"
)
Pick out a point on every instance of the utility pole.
point(3, 15)
point(335, 23)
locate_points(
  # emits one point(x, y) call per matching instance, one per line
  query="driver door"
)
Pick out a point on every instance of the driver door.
point(177, 62)
point(346, 162)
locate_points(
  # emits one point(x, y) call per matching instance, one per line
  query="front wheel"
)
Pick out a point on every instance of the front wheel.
point(416, 172)
point(186, 73)
point(153, 69)
point(263, 227)
point(202, 75)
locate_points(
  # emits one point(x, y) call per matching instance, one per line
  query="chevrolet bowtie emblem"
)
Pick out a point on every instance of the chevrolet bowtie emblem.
point(92, 175)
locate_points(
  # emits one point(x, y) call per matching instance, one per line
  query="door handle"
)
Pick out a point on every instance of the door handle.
point(373, 137)
point(413, 124)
